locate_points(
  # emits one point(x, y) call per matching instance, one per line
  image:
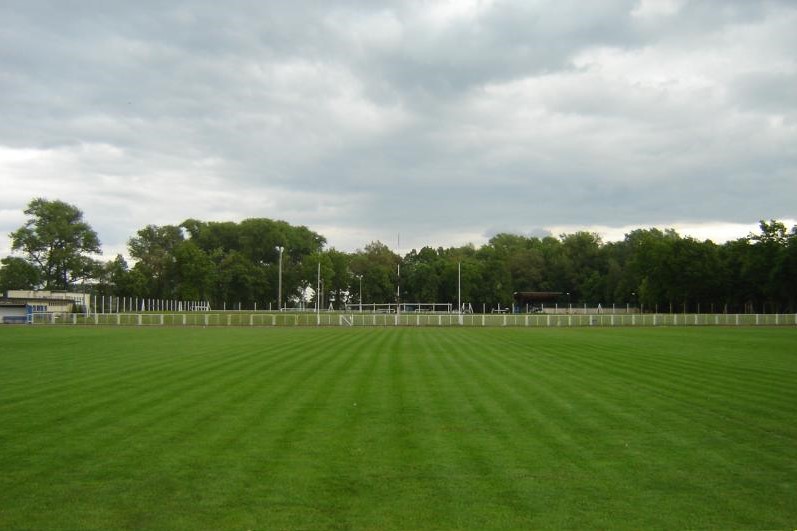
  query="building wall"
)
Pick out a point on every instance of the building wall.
point(79, 298)
point(12, 311)
point(56, 301)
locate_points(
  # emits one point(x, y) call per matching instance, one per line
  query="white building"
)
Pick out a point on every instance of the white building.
point(17, 304)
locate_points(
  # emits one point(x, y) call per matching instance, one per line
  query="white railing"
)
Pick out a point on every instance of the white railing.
point(410, 319)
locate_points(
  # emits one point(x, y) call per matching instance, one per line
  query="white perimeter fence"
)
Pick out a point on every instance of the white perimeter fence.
point(265, 319)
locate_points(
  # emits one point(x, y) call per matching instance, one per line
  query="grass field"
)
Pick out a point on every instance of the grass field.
point(398, 428)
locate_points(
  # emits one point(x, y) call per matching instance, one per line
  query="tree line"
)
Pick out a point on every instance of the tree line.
point(232, 263)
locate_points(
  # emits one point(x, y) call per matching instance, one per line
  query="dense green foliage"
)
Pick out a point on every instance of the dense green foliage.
point(129, 428)
point(218, 261)
point(18, 273)
point(57, 243)
point(237, 263)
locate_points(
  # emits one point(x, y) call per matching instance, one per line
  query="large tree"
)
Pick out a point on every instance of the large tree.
point(57, 242)
point(378, 266)
point(248, 252)
point(154, 247)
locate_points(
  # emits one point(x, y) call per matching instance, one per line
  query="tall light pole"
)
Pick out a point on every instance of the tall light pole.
point(398, 280)
point(279, 281)
point(398, 293)
point(361, 292)
point(459, 287)
point(317, 295)
point(459, 291)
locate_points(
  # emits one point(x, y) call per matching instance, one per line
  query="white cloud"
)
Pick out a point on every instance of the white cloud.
point(366, 31)
point(446, 12)
point(718, 232)
point(652, 9)
point(117, 200)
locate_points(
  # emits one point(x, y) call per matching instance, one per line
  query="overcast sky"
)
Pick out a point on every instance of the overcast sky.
point(446, 122)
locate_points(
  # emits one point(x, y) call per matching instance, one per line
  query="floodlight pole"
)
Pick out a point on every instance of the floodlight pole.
point(459, 287)
point(361, 292)
point(398, 294)
point(459, 291)
point(279, 282)
point(398, 281)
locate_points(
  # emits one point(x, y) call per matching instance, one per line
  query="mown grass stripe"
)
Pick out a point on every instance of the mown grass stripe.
point(121, 365)
point(98, 408)
point(161, 438)
point(714, 398)
point(655, 382)
point(629, 375)
point(572, 431)
point(249, 444)
point(351, 433)
point(287, 460)
point(650, 472)
point(306, 380)
point(498, 462)
point(453, 428)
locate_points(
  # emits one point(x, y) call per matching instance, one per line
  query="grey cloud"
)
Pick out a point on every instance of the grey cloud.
point(768, 91)
point(509, 41)
point(367, 114)
point(534, 232)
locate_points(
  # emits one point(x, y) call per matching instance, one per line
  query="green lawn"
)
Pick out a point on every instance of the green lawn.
point(405, 428)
